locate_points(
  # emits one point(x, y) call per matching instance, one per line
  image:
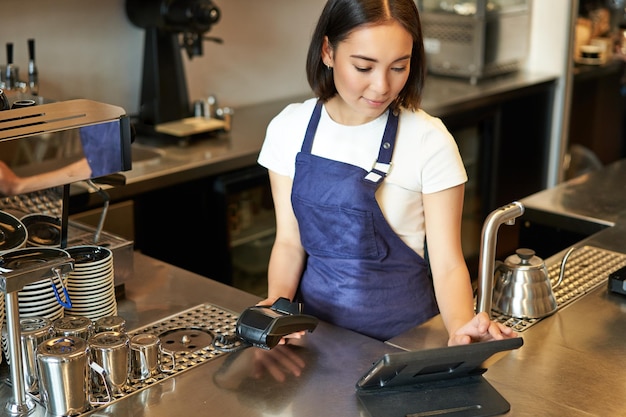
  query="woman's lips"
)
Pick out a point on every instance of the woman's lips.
point(375, 102)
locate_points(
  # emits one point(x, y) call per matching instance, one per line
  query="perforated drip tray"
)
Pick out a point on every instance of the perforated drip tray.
point(191, 336)
point(587, 268)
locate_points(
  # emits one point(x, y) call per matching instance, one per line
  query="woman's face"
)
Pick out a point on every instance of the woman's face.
point(370, 68)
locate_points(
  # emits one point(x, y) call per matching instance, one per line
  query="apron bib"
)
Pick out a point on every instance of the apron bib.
point(359, 273)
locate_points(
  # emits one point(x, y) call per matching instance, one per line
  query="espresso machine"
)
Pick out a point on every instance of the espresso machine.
point(170, 25)
point(42, 142)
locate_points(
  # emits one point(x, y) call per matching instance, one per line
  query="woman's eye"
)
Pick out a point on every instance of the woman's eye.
point(368, 69)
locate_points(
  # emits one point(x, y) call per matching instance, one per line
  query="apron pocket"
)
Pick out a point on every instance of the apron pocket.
point(337, 232)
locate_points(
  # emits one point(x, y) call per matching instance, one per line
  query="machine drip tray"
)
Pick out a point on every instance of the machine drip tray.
point(586, 269)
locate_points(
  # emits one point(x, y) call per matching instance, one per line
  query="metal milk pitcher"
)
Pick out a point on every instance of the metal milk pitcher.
point(64, 367)
point(145, 357)
point(34, 330)
point(111, 350)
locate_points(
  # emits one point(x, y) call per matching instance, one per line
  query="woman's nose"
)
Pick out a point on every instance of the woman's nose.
point(380, 82)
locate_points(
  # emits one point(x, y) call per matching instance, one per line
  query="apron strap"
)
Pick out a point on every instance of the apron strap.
point(307, 144)
point(382, 166)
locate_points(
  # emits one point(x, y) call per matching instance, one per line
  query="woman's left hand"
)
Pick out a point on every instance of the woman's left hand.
point(480, 329)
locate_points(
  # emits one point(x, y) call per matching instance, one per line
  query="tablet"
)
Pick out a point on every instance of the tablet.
point(407, 368)
point(434, 382)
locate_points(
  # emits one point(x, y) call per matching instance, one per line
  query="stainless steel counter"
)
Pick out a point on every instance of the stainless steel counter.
point(597, 199)
point(571, 363)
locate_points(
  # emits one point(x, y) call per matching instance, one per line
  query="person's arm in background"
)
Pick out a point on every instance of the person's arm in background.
point(12, 184)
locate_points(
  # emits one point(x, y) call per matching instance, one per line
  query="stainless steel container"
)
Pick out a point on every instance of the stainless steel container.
point(111, 350)
point(145, 357)
point(33, 331)
point(75, 326)
point(63, 375)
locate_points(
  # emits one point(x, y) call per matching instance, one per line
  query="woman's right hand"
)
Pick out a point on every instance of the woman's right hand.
point(268, 302)
point(480, 329)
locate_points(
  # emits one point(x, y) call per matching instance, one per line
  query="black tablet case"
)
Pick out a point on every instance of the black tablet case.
point(434, 382)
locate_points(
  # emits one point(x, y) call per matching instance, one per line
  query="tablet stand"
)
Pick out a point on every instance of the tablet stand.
point(436, 382)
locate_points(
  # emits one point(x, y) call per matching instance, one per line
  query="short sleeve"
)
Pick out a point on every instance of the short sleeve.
point(283, 138)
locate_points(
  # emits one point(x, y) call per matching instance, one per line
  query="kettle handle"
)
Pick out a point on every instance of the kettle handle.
point(496, 265)
point(562, 269)
point(503, 277)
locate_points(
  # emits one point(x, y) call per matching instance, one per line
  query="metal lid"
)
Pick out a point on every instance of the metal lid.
point(524, 259)
point(62, 348)
point(72, 323)
point(32, 328)
point(110, 323)
point(107, 340)
point(35, 326)
point(144, 339)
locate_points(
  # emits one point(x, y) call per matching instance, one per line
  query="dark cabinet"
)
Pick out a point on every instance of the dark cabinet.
point(598, 109)
point(504, 144)
point(221, 227)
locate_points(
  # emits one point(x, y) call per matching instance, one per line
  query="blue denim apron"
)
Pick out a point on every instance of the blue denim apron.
point(359, 273)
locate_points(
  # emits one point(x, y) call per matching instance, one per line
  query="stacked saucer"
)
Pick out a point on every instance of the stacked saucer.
point(41, 298)
point(2, 309)
point(91, 284)
point(43, 230)
point(13, 233)
point(1, 316)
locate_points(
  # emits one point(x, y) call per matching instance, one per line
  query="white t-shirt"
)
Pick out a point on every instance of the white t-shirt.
point(425, 159)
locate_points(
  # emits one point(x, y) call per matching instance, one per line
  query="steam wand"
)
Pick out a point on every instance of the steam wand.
point(105, 208)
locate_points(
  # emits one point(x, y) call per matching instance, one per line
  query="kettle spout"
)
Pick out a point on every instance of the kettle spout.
point(503, 215)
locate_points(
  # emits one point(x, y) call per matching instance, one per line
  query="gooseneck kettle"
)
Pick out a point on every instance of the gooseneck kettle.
point(522, 287)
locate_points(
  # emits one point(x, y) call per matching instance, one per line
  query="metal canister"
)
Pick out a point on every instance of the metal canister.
point(111, 350)
point(145, 357)
point(63, 375)
point(110, 324)
point(33, 331)
point(77, 326)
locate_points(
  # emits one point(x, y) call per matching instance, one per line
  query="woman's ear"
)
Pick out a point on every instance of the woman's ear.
point(327, 53)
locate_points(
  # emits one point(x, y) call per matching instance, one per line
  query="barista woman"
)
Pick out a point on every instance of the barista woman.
point(361, 177)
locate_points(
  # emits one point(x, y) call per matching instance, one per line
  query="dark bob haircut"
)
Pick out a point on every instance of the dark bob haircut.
point(340, 17)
